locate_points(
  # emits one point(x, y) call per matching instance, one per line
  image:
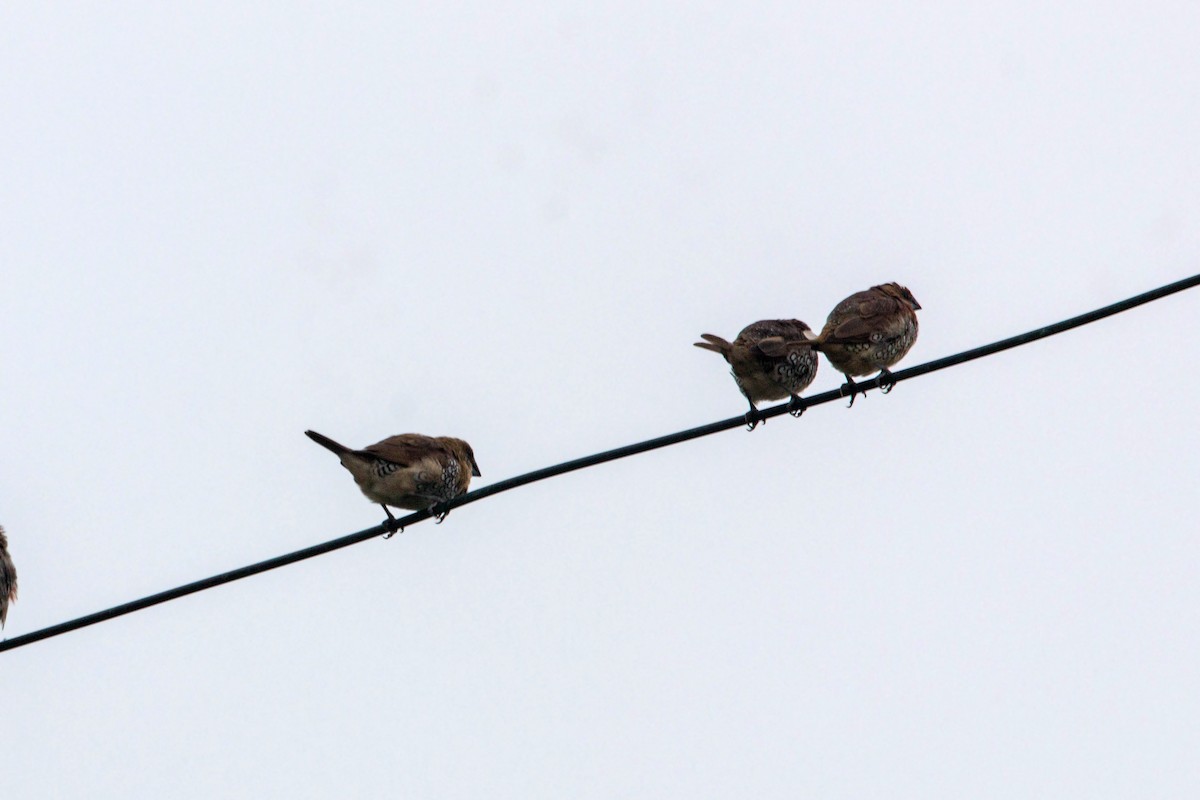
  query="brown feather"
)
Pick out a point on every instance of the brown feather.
point(405, 449)
point(855, 329)
point(870, 330)
point(327, 443)
point(772, 346)
point(771, 359)
point(715, 344)
point(410, 471)
point(8, 579)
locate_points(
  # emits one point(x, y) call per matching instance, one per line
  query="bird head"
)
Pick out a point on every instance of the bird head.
point(900, 293)
point(463, 452)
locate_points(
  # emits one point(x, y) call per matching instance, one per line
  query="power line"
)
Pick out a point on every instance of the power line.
point(590, 461)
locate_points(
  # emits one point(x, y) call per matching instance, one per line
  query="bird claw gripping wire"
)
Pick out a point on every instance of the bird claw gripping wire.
point(853, 389)
point(439, 511)
point(753, 418)
point(392, 525)
point(886, 381)
point(796, 406)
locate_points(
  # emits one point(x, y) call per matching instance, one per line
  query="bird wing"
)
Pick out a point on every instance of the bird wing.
point(773, 338)
point(868, 311)
point(773, 346)
point(779, 347)
point(406, 449)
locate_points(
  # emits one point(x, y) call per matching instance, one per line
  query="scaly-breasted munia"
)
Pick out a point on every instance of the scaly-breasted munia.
point(410, 471)
point(870, 331)
point(770, 360)
point(8, 579)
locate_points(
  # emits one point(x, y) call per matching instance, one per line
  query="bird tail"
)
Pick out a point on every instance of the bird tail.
point(327, 443)
point(714, 343)
point(812, 339)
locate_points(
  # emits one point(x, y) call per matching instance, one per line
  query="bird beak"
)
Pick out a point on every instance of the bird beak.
point(475, 470)
point(916, 305)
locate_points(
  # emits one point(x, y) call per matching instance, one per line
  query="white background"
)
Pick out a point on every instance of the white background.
point(221, 224)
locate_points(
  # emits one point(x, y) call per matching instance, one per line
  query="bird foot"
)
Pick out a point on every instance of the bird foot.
point(440, 511)
point(796, 406)
point(886, 381)
point(753, 418)
point(392, 525)
point(852, 388)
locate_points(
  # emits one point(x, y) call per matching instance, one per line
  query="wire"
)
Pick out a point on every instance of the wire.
point(590, 461)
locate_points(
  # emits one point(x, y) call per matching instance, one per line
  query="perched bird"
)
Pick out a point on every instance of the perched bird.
point(408, 471)
point(8, 579)
point(870, 331)
point(770, 360)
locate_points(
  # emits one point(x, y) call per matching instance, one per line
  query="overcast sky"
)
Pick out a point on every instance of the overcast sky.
point(224, 224)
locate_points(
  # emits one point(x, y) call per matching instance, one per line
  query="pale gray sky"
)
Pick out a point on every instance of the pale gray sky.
point(225, 225)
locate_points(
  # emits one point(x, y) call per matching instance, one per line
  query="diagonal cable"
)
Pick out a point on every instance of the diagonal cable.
point(591, 461)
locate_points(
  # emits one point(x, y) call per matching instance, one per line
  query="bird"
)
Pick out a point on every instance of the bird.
point(770, 359)
point(8, 579)
point(869, 331)
point(411, 471)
